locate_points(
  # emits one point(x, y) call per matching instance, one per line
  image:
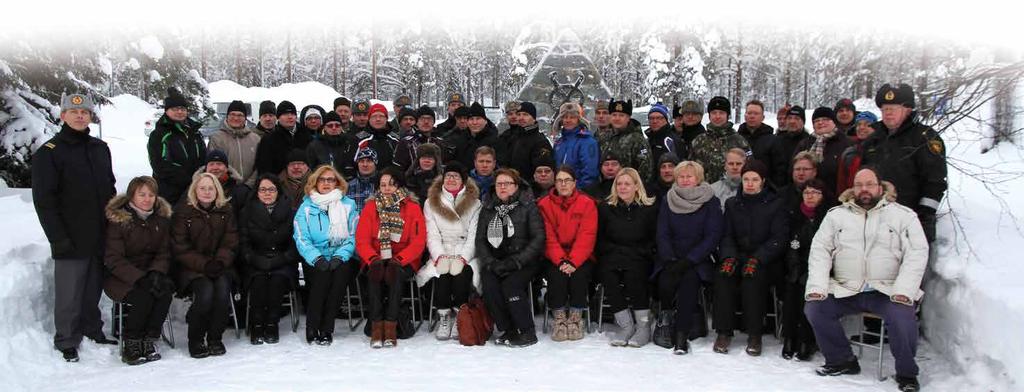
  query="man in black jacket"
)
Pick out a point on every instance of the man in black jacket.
point(455, 101)
point(524, 147)
point(72, 181)
point(272, 152)
point(761, 138)
point(334, 147)
point(176, 149)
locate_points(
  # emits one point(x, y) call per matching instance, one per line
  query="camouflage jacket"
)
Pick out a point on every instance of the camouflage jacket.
point(630, 146)
point(709, 148)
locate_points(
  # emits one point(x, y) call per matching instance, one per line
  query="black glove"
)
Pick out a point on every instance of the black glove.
point(62, 249)
point(504, 267)
point(335, 263)
point(679, 267)
point(927, 217)
point(321, 264)
point(213, 268)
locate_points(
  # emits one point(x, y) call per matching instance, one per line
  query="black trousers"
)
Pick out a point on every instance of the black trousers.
point(794, 321)
point(78, 284)
point(453, 291)
point(507, 298)
point(265, 294)
point(211, 303)
point(384, 305)
point(751, 291)
point(144, 314)
point(680, 291)
point(625, 287)
point(573, 287)
point(326, 290)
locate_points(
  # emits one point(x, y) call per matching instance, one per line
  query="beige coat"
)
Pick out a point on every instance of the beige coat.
point(883, 248)
point(240, 145)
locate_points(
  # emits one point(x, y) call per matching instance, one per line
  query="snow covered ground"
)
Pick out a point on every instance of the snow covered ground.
point(972, 315)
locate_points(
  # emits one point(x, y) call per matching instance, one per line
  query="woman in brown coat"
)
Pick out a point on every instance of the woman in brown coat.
point(205, 239)
point(138, 256)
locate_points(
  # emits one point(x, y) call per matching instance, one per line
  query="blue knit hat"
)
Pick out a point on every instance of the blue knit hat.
point(871, 118)
point(659, 108)
point(366, 153)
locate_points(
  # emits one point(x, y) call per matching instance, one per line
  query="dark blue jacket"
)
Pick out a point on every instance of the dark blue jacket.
point(692, 236)
point(755, 226)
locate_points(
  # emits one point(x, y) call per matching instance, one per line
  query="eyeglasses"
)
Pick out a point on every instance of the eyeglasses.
point(327, 180)
point(452, 176)
point(858, 185)
point(564, 180)
point(809, 192)
point(332, 125)
point(503, 184)
point(267, 190)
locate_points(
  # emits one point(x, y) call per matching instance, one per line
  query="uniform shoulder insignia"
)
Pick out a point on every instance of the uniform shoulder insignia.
point(50, 145)
point(936, 146)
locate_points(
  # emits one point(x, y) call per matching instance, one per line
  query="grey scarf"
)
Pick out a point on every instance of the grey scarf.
point(687, 200)
point(494, 233)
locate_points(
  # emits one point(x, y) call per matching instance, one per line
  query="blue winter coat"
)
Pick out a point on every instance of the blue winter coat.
point(312, 226)
point(577, 148)
point(692, 236)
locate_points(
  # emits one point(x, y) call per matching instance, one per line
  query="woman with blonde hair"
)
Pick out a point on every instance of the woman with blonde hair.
point(625, 251)
point(324, 233)
point(689, 229)
point(205, 239)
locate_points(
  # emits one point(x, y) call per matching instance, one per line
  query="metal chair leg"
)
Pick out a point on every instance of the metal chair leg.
point(293, 300)
point(881, 350)
point(234, 317)
point(431, 324)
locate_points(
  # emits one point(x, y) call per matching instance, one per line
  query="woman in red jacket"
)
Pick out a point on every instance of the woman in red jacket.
point(570, 226)
point(390, 238)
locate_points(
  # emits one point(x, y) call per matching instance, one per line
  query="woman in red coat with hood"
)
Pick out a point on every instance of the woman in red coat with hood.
point(390, 238)
point(570, 225)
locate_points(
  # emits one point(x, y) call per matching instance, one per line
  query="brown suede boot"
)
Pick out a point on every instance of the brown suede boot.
point(377, 334)
point(390, 333)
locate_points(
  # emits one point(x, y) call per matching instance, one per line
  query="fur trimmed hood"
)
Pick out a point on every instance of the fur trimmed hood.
point(116, 212)
point(469, 194)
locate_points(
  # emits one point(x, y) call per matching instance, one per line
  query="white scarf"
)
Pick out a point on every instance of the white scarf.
point(337, 213)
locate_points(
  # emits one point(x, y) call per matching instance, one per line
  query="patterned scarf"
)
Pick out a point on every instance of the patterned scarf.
point(390, 213)
point(494, 229)
point(818, 149)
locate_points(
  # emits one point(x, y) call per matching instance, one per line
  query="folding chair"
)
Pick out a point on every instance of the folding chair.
point(880, 346)
point(292, 299)
point(117, 316)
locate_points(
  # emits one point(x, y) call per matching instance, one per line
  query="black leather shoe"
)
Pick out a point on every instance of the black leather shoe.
point(908, 384)
point(849, 367)
point(70, 354)
point(198, 350)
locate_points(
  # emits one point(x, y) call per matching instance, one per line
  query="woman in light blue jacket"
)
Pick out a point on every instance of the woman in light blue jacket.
point(325, 227)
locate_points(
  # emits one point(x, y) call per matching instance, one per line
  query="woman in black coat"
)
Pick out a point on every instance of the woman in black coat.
point(804, 221)
point(269, 257)
point(510, 242)
point(753, 238)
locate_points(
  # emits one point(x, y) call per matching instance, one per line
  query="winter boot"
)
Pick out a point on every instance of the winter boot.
point(789, 346)
point(271, 334)
point(312, 335)
point(325, 339)
point(848, 367)
point(149, 349)
point(560, 331)
point(908, 384)
point(217, 348)
point(377, 334)
point(444, 324)
point(682, 343)
point(722, 343)
point(390, 333)
point(131, 352)
point(663, 328)
point(256, 334)
point(455, 324)
point(642, 336)
point(70, 354)
point(197, 349)
point(523, 339)
point(700, 325)
point(575, 324)
point(504, 338)
point(807, 350)
point(754, 345)
point(626, 329)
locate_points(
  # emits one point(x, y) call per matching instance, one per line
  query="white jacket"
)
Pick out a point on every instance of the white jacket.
point(451, 228)
point(883, 248)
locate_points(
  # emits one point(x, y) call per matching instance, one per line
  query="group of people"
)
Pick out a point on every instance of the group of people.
point(652, 217)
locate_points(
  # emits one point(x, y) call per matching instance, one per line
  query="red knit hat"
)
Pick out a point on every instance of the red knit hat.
point(377, 108)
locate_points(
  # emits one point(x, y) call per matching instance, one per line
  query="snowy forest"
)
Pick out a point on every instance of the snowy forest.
point(647, 63)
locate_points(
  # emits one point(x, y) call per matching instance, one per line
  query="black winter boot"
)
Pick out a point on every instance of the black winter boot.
point(256, 334)
point(908, 384)
point(848, 367)
point(270, 334)
point(217, 348)
point(131, 352)
point(789, 347)
point(682, 344)
point(523, 339)
point(198, 349)
point(149, 349)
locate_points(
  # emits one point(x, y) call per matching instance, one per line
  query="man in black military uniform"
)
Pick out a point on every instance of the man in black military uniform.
point(72, 181)
point(360, 119)
point(455, 101)
point(908, 154)
point(523, 147)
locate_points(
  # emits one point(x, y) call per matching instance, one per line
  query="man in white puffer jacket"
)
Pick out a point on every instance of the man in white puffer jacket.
point(868, 256)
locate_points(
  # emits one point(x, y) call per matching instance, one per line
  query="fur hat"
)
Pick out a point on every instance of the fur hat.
point(425, 111)
point(625, 107)
point(76, 101)
point(719, 103)
point(429, 150)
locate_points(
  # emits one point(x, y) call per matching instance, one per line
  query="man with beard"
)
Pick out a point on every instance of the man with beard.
point(268, 119)
point(869, 255)
point(272, 152)
point(727, 186)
